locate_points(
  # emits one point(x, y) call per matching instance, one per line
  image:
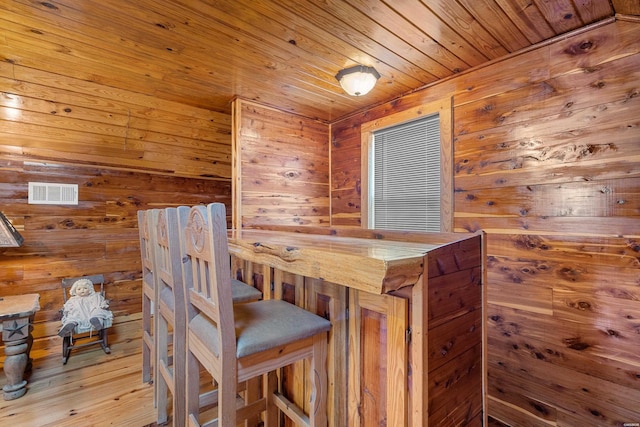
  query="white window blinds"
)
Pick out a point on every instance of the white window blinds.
point(406, 176)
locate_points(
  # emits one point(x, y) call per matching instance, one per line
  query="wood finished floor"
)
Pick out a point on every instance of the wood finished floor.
point(92, 389)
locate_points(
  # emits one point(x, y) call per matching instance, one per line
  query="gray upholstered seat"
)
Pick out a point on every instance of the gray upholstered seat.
point(263, 325)
point(167, 298)
point(241, 292)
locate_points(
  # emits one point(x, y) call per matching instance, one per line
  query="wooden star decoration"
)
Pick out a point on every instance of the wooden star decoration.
point(15, 329)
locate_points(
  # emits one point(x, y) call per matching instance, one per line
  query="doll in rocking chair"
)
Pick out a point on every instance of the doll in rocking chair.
point(84, 308)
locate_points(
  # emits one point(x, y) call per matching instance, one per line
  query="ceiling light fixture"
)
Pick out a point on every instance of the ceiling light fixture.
point(358, 80)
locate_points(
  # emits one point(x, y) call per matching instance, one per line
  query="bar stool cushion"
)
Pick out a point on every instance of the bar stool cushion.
point(166, 295)
point(242, 292)
point(263, 325)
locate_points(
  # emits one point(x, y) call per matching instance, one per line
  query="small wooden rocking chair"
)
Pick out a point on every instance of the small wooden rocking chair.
point(85, 336)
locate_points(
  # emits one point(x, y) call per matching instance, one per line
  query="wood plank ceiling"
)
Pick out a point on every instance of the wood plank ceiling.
point(283, 53)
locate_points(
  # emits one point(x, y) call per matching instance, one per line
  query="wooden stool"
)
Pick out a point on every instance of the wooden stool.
point(15, 315)
point(237, 343)
point(146, 222)
point(171, 316)
point(171, 311)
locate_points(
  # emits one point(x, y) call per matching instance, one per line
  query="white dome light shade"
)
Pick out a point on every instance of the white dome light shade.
point(358, 80)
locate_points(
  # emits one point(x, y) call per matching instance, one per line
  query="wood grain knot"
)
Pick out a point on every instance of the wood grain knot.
point(287, 253)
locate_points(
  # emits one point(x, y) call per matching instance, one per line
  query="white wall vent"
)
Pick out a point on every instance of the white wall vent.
point(46, 193)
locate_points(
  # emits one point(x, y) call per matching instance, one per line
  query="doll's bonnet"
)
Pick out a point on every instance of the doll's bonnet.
point(82, 282)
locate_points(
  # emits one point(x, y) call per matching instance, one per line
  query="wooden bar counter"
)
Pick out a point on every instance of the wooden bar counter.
point(406, 345)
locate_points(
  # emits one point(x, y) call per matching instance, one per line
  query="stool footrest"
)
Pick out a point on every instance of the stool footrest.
point(291, 410)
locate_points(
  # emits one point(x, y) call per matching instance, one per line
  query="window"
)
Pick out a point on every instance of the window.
point(405, 188)
point(407, 170)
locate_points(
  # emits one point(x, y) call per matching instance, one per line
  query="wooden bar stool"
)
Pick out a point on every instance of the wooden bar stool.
point(146, 222)
point(171, 316)
point(170, 336)
point(236, 343)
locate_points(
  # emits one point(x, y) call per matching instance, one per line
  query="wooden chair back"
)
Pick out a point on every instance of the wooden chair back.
point(171, 317)
point(209, 273)
point(147, 220)
point(169, 262)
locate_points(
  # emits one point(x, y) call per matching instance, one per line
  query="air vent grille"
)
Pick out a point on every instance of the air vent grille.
point(46, 193)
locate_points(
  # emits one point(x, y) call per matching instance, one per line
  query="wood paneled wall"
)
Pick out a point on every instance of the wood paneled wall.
point(547, 162)
point(126, 152)
point(281, 168)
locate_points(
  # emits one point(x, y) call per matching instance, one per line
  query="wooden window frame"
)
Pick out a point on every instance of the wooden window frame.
point(443, 107)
